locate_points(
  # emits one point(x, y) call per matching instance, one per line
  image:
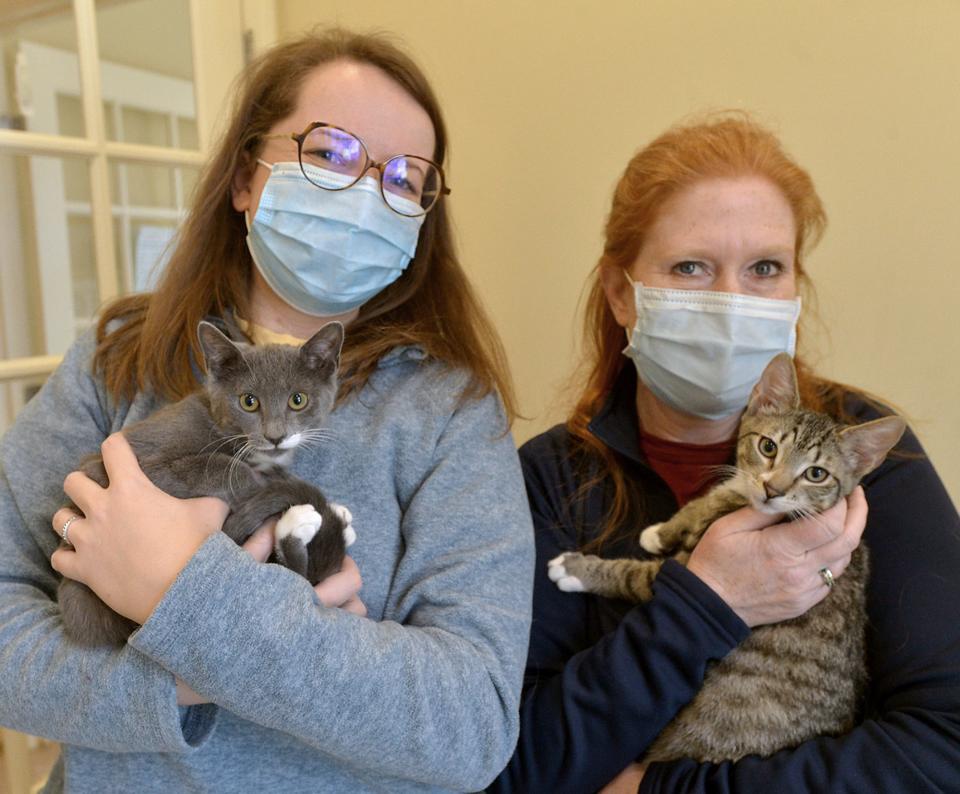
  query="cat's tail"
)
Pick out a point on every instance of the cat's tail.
point(87, 620)
point(311, 536)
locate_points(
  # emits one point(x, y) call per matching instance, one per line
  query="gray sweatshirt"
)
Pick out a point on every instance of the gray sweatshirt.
point(420, 696)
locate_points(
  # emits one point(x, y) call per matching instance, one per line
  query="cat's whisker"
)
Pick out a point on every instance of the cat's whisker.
point(213, 452)
point(317, 437)
point(723, 471)
point(313, 437)
point(725, 468)
point(324, 432)
point(221, 441)
point(801, 511)
point(235, 461)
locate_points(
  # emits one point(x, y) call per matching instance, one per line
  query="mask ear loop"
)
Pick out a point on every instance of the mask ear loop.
point(633, 286)
point(246, 212)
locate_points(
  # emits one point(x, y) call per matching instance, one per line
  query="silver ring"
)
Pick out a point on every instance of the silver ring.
point(66, 528)
point(827, 575)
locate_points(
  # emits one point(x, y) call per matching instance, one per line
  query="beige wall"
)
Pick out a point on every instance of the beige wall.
point(547, 100)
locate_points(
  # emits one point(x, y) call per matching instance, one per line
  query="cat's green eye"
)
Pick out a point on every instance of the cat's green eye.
point(767, 447)
point(298, 401)
point(816, 474)
point(249, 402)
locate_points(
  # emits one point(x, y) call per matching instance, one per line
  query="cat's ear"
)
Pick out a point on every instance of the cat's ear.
point(323, 348)
point(776, 391)
point(867, 445)
point(219, 354)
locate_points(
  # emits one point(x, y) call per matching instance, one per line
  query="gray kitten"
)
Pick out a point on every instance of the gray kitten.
point(231, 440)
point(791, 681)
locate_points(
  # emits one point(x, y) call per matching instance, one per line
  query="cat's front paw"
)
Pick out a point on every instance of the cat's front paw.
point(301, 522)
point(650, 539)
point(349, 533)
point(562, 571)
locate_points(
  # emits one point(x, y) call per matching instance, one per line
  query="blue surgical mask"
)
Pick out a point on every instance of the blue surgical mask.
point(326, 252)
point(701, 352)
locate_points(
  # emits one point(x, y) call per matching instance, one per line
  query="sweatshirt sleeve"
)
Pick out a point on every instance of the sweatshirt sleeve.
point(431, 695)
point(909, 738)
point(591, 708)
point(48, 686)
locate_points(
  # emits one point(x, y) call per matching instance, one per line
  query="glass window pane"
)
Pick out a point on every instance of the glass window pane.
point(188, 181)
point(187, 134)
point(38, 65)
point(145, 126)
point(149, 202)
point(110, 112)
point(48, 282)
point(83, 268)
point(146, 88)
point(143, 185)
point(76, 173)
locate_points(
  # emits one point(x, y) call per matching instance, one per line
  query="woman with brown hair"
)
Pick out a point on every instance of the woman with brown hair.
point(697, 289)
point(325, 200)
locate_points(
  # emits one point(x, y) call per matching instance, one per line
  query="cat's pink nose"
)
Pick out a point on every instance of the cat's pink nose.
point(771, 491)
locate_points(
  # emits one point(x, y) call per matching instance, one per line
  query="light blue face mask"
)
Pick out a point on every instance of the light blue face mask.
point(326, 252)
point(701, 352)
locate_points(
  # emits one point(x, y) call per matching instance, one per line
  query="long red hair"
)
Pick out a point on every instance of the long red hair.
point(730, 145)
point(150, 341)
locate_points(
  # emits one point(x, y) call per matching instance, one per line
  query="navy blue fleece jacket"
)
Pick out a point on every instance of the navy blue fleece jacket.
point(604, 677)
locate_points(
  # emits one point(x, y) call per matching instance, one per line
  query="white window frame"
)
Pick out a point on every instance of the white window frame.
point(52, 72)
point(217, 33)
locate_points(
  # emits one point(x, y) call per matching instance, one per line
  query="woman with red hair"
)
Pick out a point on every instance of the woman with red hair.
point(716, 218)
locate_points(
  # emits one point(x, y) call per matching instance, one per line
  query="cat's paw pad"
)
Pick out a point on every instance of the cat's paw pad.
point(349, 533)
point(299, 521)
point(558, 569)
point(650, 539)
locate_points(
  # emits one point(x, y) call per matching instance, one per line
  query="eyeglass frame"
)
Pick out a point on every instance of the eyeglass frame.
point(370, 163)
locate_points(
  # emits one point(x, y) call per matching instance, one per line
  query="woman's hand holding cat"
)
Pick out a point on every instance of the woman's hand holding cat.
point(133, 538)
point(768, 572)
point(337, 590)
point(341, 589)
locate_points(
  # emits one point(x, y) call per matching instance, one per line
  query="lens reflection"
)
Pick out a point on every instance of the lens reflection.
point(338, 150)
point(410, 179)
point(410, 185)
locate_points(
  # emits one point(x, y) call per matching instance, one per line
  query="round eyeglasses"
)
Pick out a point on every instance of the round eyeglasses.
point(410, 185)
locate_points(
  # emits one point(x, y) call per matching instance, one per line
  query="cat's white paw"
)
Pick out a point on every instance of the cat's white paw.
point(650, 539)
point(557, 571)
point(299, 521)
point(349, 533)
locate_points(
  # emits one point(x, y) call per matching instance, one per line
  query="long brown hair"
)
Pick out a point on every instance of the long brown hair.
point(431, 305)
point(729, 145)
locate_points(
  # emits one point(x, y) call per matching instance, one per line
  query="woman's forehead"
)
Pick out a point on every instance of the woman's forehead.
point(363, 99)
point(713, 209)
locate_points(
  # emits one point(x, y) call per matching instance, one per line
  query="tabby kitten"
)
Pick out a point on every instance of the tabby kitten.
point(231, 440)
point(791, 681)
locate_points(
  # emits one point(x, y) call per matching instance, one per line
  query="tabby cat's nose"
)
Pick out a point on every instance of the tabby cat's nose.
point(275, 440)
point(771, 491)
